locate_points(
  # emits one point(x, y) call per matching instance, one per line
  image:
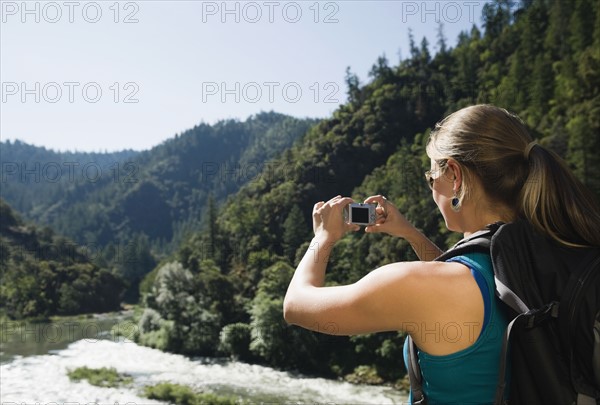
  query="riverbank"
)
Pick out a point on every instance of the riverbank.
point(44, 379)
point(30, 337)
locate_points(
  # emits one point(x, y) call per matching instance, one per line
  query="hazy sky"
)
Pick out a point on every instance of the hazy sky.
point(107, 75)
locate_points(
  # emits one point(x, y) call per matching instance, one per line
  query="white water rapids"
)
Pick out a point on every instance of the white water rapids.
point(42, 379)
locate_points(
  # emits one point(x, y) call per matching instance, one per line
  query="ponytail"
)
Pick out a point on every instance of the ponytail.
point(555, 202)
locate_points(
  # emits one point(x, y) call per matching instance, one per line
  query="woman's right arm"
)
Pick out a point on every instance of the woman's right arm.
point(422, 299)
point(392, 222)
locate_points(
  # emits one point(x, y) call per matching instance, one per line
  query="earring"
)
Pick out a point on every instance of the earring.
point(455, 204)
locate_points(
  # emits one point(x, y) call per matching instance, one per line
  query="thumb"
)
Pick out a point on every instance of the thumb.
point(373, 228)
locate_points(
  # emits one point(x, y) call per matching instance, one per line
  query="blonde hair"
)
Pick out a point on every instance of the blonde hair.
point(529, 180)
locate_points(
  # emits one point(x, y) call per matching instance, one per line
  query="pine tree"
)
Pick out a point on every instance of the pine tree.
point(582, 25)
point(212, 227)
point(424, 54)
point(353, 87)
point(294, 232)
point(558, 30)
point(542, 86)
point(441, 39)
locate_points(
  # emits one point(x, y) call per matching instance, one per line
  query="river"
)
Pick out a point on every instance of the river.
point(35, 359)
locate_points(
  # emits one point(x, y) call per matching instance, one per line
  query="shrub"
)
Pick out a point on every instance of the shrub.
point(183, 395)
point(101, 377)
point(234, 341)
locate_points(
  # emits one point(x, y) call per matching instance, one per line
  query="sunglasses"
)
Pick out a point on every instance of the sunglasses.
point(430, 173)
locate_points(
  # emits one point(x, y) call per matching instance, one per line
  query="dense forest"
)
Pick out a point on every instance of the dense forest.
point(222, 291)
point(45, 274)
point(228, 248)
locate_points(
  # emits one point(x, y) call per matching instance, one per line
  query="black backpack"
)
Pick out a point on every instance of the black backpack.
point(553, 295)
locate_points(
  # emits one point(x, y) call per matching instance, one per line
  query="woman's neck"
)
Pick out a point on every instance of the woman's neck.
point(483, 215)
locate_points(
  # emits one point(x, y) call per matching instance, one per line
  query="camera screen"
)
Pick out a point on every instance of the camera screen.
point(360, 215)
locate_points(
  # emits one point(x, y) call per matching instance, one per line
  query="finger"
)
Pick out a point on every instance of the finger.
point(343, 201)
point(379, 199)
point(334, 199)
point(380, 220)
point(373, 228)
point(317, 207)
point(351, 227)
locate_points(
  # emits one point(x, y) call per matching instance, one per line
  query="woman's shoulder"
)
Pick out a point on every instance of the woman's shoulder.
point(432, 294)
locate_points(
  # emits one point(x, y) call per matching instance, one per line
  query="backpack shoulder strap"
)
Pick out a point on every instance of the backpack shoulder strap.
point(414, 374)
point(479, 242)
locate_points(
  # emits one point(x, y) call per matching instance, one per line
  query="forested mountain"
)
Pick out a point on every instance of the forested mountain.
point(143, 203)
point(43, 274)
point(34, 178)
point(223, 290)
point(112, 198)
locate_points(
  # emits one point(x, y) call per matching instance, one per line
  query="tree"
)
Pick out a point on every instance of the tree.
point(235, 340)
point(353, 87)
point(441, 39)
point(212, 227)
point(496, 16)
point(294, 232)
point(542, 88)
point(424, 54)
point(582, 25)
point(414, 51)
point(271, 337)
point(381, 69)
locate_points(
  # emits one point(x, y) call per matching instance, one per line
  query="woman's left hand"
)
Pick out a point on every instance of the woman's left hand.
point(328, 219)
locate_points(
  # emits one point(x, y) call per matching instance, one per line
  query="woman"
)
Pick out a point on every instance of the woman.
point(485, 168)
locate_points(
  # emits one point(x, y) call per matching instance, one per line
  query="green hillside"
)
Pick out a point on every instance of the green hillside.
point(44, 274)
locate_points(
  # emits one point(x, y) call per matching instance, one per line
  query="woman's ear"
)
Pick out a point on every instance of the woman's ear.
point(456, 174)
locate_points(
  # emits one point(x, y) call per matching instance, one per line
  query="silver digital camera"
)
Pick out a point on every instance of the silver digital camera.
point(360, 214)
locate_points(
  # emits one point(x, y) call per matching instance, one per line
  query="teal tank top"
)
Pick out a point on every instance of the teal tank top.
point(469, 376)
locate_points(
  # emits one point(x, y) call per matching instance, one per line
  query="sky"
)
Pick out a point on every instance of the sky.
point(108, 75)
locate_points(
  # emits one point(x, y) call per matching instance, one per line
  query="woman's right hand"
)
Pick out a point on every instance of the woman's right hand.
point(389, 219)
point(328, 219)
